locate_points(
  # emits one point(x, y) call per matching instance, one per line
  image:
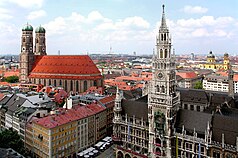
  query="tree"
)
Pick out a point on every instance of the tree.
point(198, 85)
point(11, 139)
point(12, 79)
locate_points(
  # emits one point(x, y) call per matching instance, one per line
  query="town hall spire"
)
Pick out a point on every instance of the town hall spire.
point(163, 21)
point(163, 100)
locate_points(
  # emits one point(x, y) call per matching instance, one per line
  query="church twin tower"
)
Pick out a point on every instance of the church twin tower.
point(28, 50)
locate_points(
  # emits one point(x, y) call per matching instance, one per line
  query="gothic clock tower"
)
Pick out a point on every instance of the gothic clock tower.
point(163, 101)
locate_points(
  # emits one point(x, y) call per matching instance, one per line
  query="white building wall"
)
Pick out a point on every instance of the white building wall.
point(215, 86)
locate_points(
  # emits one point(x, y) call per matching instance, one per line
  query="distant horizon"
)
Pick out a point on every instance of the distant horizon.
point(199, 54)
point(123, 25)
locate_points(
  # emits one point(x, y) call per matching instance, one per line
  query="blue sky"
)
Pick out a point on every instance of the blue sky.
point(93, 26)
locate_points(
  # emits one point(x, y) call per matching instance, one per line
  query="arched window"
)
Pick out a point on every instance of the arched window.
point(60, 82)
point(71, 85)
point(162, 37)
point(24, 39)
point(65, 85)
point(161, 53)
point(157, 88)
point(162, 89)
point(45, 82)
point(95, 83)
point(49, 82)
point(165, 53)
point(165, 37)
point(39, 81)
point(85, 86)
point(55, 83)
point(119, 154)
point(127, 156)
point(77, 86)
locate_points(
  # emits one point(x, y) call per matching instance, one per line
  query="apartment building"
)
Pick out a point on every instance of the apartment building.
point(66, 132)
point(216, 83)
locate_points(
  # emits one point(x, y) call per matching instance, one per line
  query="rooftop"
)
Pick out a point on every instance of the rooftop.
point(66, 116)
point(73, 67)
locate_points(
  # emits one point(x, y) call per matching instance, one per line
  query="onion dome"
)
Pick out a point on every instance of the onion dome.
point(226, 55)
point(40, 29)
point(210, 55)
point(27, 27)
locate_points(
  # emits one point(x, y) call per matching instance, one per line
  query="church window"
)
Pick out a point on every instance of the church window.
point(71, 85)
point(164, 66)
point(95, 83)
point(55, 83)
point(65, 85)
point(24, 39)
point(165, 53)
point(162, 89)
point(60, 82)
point(39, 81)
point(157, 88)
point(85, 86)
point(45, 82)
point(49, 82)
point(77, 86)
point(161, 53)
point(164, 37)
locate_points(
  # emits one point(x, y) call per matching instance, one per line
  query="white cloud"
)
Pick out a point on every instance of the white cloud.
point(28, 3)
point(206, 26)
point(36, 14)
point(134, 21)
point(57, 26)
point(194, 9)
point(5, 14)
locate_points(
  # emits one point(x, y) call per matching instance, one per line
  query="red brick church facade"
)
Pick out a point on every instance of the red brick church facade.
point(72, 72)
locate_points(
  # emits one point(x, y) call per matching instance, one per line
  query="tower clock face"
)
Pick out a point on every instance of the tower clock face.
point(160, 75)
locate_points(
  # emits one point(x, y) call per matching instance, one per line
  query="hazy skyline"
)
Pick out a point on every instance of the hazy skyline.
point(93, 26)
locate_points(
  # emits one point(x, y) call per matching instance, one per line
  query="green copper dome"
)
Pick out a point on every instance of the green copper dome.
point(27, 27)
point(40, 29)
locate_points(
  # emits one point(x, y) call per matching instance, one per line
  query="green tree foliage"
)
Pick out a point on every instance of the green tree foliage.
point(198, 85)
point(12, 79)
point(11, 139)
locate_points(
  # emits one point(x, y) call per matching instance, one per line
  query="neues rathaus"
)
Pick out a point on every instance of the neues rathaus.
point(174, 122)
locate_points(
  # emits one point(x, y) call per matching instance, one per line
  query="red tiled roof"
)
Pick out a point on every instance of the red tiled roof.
point(1, 96)
point(223, 73)
point(108, 99)
point(72, 66)
point(187, 75)
point(66, 116)
point(11, 73)
point(4, 84)
point(235, 78)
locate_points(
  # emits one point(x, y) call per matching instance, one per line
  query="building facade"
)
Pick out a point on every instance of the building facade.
point(174, 122)
point(66, 132)
point(72, 72)
point(212, 64)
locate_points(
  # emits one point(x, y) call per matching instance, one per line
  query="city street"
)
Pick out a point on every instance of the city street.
point(109, 153)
